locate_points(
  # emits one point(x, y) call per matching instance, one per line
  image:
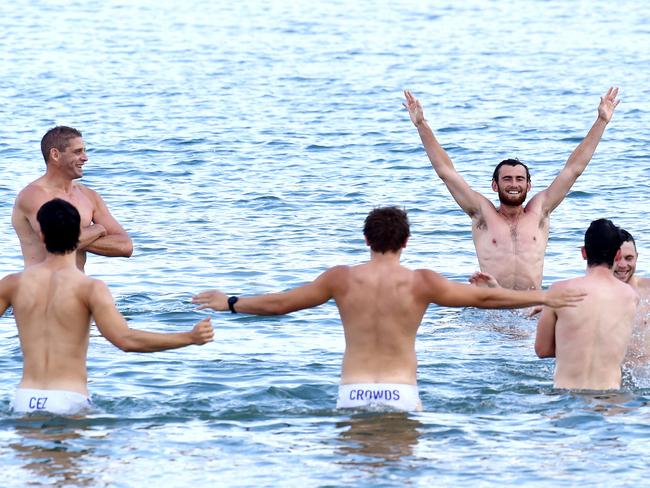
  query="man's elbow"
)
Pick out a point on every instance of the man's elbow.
point(543, 351)
point(126, 248)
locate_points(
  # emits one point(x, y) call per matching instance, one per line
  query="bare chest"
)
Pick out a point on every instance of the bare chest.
point(76, 197)
point(528, 233)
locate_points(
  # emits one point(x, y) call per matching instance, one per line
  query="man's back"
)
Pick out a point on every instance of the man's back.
point(50, 304)
point(592, 337)
point(381, 313)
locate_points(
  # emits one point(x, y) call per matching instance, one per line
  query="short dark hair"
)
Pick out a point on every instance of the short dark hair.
point(602, 241)
point(509, 162)
point(627, 237)
point(60, 225)
point(59, 138)
point(386, 229)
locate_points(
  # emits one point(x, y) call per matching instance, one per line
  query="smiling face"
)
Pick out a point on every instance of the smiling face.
point(512, 185)
point(70, 161)
point(625, 267)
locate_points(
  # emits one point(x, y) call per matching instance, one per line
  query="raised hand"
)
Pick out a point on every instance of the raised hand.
point(213, 299)
point(608, 103)
point(202, 332)
point(412, 104)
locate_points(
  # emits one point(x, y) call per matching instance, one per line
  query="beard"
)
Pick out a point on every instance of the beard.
point(512, 200)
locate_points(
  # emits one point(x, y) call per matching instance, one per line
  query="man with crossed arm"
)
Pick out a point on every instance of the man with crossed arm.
point(510, 239)
point(65, 155)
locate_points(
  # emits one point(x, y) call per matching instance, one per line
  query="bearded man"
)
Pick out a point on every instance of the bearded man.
point(510, 239)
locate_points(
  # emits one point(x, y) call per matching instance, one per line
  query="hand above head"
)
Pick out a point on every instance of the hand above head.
point(484, 280)
point(412, 104)
point(202, 332)
point(213, 299)
point(564, 297)
point(608, 103)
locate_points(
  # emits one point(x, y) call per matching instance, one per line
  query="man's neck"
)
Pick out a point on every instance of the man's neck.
point(600, 270)
point(509, 212)
point(59, 261)
point(388, 257)
point(54, 179)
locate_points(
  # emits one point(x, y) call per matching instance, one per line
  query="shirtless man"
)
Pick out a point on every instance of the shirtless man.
point(65, 154)
point(589, 340)
point(510, 240)
point(52, 302)
point(381, 304)
point(638, 352)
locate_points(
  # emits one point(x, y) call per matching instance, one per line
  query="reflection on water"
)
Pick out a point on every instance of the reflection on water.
point(375, 439)
point(50, 450)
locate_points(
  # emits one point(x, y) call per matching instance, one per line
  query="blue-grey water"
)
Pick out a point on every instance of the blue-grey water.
point(241, 144)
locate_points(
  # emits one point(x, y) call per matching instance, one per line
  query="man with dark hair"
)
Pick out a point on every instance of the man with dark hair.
point(64, 153)
point(589, 341)
point(381, 304)
point(510, 239)
point(638, 352)
point(52, 302)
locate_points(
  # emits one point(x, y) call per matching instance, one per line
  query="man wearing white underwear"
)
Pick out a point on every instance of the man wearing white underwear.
point(510, 239)
point(381, 304)
point(589, 341)
point(53, 302)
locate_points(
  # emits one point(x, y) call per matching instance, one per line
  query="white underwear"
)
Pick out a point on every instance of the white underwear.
point(58, 402)
point(397, 396)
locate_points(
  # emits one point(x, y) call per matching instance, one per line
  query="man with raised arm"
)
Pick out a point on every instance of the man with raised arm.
point(381, 304)
point(52, 303)
point(65, 155)
point(510, 239)
point(589, 341)
point(638, 352)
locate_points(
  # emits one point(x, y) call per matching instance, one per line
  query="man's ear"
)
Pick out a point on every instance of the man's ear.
point(494, 186)
point(584, 252)
point(405, 243)
point(54, 154)
point(618, 256)
point(366, 239)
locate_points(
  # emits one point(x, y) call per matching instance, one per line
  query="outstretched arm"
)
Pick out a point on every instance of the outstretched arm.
point(442, 291)
point(114, 328)
point(581, 155)
point(113, 241)
point(545, 337)
point(307, 296)
point(468, 199)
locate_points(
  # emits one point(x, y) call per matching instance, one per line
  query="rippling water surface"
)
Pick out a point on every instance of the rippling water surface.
point(242, 144)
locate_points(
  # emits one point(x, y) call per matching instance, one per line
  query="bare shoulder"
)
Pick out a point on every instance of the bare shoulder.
point(97, 292)
point(426, 280)
point(9, 282)
point(32, 196)
point(336, 274)
point(643, 284)
point(87, 191)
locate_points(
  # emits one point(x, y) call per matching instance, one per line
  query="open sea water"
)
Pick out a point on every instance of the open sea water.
point(242, 144)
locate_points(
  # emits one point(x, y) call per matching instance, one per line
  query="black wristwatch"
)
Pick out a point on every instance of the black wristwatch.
point(231, 303)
